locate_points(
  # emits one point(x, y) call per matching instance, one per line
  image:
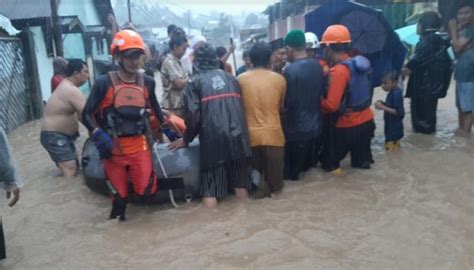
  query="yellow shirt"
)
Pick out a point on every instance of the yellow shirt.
point(263, 93)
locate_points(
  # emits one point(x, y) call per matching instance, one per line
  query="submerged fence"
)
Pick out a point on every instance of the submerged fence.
point(15, 101)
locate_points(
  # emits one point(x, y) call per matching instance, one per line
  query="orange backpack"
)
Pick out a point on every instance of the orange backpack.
point(127, 115)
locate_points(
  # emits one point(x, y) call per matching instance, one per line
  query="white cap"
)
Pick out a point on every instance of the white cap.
point(312, 41)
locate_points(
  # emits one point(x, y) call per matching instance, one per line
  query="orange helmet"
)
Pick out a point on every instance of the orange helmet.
point(126, 40)
point(336, 34)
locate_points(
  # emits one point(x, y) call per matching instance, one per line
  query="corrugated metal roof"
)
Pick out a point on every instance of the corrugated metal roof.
point(63, 20)
point(25, 9)
point(71, 24)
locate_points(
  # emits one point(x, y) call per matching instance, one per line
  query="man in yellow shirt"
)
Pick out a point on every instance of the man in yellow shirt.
point(263, 93)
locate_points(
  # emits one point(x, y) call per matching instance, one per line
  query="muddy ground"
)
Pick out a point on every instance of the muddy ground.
point(413, 210)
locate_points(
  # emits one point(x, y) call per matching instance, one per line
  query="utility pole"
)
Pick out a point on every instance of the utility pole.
point(129, 11)
point(231, 27)
point(189, 22)
point(232, 42)
point(57, 35)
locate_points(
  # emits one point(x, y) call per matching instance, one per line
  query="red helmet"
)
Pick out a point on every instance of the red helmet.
point(127, 40)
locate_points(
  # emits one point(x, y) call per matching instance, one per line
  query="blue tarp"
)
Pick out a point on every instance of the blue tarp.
point(372, 35)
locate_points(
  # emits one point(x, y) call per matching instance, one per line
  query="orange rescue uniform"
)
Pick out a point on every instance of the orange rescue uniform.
point(339, 78)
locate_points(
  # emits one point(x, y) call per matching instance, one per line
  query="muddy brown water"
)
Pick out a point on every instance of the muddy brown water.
point(413, 210)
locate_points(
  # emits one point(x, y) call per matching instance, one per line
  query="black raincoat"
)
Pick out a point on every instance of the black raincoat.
point(214, 111)
point(429, 81)
point(431, 68)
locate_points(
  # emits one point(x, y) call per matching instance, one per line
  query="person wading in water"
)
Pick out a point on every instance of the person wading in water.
point(60, 125)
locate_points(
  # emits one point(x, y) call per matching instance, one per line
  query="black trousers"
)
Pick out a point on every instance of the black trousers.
point(299, 157)
point(327, 155)
point(423, 114)
point(354, 140)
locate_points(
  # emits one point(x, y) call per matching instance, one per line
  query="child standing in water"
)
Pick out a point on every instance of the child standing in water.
point(393, 111)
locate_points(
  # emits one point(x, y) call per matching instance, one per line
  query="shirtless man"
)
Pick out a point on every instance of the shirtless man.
point(60, 126)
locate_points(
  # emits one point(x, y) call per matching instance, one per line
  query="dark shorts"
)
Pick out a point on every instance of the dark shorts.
point(60, 146)
point(216, 181)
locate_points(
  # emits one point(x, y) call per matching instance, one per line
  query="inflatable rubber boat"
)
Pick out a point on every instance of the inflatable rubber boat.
point(179, 172)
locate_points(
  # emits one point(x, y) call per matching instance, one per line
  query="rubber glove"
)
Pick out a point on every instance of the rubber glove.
point(103, 142)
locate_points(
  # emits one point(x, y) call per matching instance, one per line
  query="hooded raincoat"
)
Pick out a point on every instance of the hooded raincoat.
point(214, 111)
point(431, 68)
point(429, 81)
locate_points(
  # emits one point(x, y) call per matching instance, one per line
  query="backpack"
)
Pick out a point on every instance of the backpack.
point(359, 93)
point(127, 115)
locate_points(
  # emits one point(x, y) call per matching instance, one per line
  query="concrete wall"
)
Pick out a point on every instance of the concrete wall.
point(73, 45)
point(44, 63)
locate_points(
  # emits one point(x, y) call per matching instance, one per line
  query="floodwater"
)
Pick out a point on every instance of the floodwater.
point(413, 210)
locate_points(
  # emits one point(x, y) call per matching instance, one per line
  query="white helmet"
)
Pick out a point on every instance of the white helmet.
point(312, 41)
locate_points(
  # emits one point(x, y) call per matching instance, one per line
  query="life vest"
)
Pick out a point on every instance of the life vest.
point(176, 123)
point(359, 93)
point(175, 127)
point(127, 115)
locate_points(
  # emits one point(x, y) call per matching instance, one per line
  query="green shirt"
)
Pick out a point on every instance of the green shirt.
point(465, 65)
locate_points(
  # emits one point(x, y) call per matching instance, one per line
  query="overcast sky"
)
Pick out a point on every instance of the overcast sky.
point(234, 7)
point(228, 6)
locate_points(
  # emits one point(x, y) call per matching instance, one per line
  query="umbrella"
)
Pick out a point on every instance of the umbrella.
point(368, 33)
point(371, 33)
point(408, 35)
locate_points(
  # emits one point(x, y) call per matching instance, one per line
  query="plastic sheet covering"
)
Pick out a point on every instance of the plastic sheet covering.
point(8, 176)
point(6, 24)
